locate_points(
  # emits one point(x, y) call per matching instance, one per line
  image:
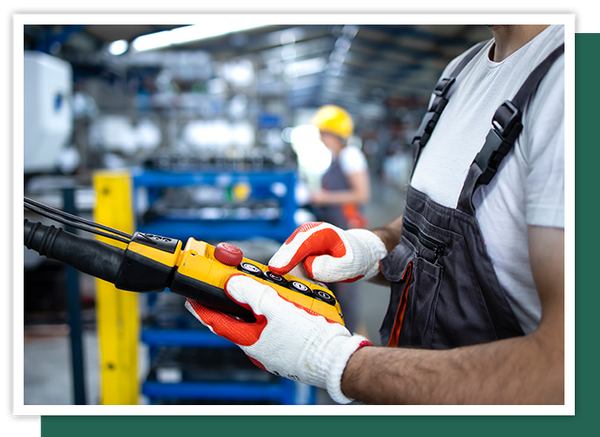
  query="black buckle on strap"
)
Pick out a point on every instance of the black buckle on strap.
point(427, 125)
point(507, 121)
point(443, 85)
point(429, 121)
point(432, 116)
point(500, 139)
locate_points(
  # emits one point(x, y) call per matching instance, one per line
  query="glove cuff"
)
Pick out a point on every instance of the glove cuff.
point(374, 245)
point(337, 363)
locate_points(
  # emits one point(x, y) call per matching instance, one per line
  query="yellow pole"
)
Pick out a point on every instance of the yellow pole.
point(117, 311)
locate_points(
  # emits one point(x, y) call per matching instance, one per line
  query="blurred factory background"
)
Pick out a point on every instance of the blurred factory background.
point(211, 131)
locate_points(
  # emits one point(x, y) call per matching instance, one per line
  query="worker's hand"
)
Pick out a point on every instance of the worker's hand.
point(330, 254)
point(286, 340)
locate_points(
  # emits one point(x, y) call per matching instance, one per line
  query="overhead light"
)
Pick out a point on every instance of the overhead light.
point(185, 34)
point(305, 67)
point(288, 37)
point(343, 44)
point(119, 47)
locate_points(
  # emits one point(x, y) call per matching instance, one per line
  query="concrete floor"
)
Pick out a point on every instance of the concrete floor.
point(47, 359)
point(47, 368)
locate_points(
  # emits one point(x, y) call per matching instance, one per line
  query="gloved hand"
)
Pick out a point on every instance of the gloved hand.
point(286, 340)
point(330, 254)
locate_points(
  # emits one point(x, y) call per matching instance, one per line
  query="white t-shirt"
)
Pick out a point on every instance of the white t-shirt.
point(352, 160)
point(529, 186)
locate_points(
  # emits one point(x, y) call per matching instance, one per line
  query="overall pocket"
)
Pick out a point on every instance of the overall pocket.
point(400, 289)
point(409, 320)
point(446, 301)
point(418, 320)
point(450, 296)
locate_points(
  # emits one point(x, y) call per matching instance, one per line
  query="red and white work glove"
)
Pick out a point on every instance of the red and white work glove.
point(286, 340)
point(330, 254)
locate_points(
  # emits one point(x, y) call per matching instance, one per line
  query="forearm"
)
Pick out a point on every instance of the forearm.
point(512, 371)
point(390, 233)
point(520, 370)
point(342, 197)
point(358, 193)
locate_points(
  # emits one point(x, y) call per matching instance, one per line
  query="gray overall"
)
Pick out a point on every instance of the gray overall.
point(445, 292)
point(334, 179)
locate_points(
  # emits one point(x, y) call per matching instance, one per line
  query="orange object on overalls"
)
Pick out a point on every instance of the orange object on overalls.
point(354, 216)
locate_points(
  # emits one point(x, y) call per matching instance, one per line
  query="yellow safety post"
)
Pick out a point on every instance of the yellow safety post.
point(117, 311)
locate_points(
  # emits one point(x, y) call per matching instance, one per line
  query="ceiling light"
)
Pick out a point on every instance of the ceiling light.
point(342, 44)
point(119, 47)
point(305, 68)
point(181, 35)
point(288, 37)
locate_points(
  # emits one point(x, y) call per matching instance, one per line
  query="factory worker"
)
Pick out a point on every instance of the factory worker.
point(345, 185)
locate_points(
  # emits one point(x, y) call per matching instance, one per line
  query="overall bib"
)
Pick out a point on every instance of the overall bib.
point(445, 292)
point(346, 216)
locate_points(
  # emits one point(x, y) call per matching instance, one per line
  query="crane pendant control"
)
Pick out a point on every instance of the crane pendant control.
point(152, 263)
point(203, 270)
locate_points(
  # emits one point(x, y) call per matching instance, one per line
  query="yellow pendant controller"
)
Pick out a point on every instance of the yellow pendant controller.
point(152, 263)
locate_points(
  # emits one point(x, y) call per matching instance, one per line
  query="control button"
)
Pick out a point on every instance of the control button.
point(270, 276)
point(300, 288)
point(323, 296)
point(250, 269)
point(228, 254)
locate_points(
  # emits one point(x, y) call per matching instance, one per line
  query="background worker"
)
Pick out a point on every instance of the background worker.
point(476, 267)
point(345, 186)
point(345, 189)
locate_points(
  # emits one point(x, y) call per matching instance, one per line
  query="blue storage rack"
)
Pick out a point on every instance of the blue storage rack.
point(285, 393)
point(277, 391)
point(277, 185)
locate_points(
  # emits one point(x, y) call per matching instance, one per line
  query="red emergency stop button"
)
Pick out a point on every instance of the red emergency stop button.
point(228, 254)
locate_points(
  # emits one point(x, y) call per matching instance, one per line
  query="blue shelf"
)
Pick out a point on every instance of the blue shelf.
point(156, 178)
point(286, 392)
point(278, 186)
point(214, 390)
point(184, 338)
point(217, 230)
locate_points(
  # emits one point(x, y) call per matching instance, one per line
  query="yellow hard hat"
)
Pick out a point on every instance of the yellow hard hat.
point(335, 120)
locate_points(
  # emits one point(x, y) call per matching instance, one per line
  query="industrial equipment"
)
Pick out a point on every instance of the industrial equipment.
point(152, 263)
point(47, 110)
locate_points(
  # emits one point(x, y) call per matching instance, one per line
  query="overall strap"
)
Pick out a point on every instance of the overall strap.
point(442, 93)
point(506, 128)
